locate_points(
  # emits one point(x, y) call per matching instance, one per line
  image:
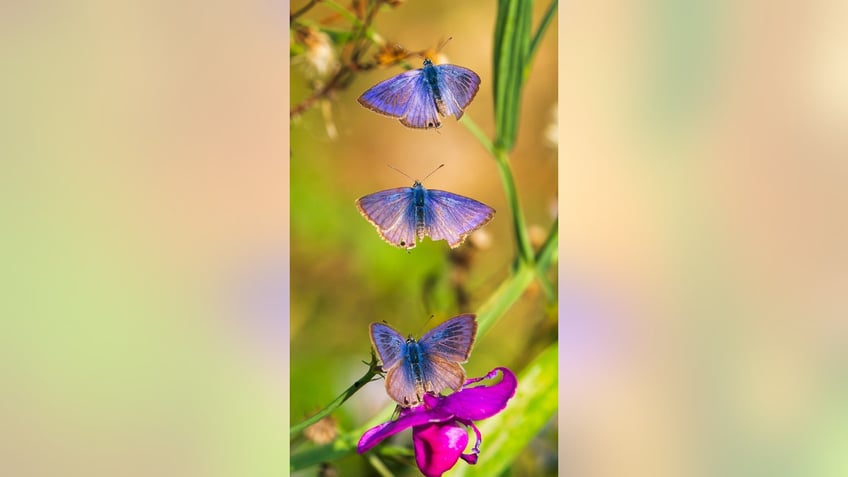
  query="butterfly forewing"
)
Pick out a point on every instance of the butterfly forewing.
point(388, 344)
point(392, 212)
point(391, 97)
point(452, 339)
point(452, 217)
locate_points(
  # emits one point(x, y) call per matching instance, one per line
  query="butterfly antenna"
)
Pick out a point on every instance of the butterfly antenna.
point(430, 174)
point(425, 324)
point(443, 44)
point(404, 173)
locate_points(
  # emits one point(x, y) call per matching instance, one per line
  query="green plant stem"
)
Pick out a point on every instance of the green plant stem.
point(478, 133)
point(509, 291)
point(367, 378)
point(547, 254)
point(522, 240)
point(379, 466)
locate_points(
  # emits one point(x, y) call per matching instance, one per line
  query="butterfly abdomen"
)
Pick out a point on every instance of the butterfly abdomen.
point(419, 198)
point(431, 76)
point(414, 359)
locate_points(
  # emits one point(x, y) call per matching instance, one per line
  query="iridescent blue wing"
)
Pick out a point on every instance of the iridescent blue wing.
point(391, 97)
point(452, 217)
point(457, 86)
point(450, 340)
point(392, 212)
point(388, 343)
point(421, 111)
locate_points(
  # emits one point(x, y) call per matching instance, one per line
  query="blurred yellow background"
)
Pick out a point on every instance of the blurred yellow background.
point(702, 150)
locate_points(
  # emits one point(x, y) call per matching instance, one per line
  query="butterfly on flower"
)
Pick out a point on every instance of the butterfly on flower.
point(429, 365)
point(401, 215)
point(418, 97)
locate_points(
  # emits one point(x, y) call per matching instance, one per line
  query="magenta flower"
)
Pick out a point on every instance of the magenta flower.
point(438, 432)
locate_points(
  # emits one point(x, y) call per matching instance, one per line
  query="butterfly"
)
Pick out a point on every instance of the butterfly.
point(416, 96)
point(400, 215)
point(428, 365)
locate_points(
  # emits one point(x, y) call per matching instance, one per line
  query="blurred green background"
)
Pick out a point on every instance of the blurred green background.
point(145, 212)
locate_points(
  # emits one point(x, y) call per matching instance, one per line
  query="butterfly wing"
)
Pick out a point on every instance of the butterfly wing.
point(392, 212)
point(457, 86)
point(391, 97)
point(440, 373)
point(388, 343)
point(452, 217)
point(452, 339)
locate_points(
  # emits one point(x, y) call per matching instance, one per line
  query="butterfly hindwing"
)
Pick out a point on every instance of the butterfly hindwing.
point(441, 374)
point(392, 212)
point(421, 112)
point(457, 86)
point(402, 386)
point(452, 217)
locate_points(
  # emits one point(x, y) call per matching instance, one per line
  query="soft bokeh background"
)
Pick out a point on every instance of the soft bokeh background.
point(143, 319)
point(703, 171)
point(703, 273)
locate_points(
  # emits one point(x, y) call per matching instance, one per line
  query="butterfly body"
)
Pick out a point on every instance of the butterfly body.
point(405, 214)
point(429, 365)
point(418, 97)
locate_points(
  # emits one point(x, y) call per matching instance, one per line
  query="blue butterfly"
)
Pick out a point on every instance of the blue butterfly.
point(429, 365)
point(400, 215)
point(416, 96)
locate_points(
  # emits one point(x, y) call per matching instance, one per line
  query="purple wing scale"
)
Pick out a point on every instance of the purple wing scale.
point(452, 217)
point(392, 212)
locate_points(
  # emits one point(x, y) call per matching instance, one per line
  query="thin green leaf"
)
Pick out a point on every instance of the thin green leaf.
point(512, 37)
point(540, 32)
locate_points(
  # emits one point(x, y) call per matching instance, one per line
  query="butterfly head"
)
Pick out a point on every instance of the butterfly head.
point(428, 62)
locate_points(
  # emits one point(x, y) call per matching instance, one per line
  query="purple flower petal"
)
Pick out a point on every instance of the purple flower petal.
point(409, 417)
point(438, 447)
point(481, 402)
